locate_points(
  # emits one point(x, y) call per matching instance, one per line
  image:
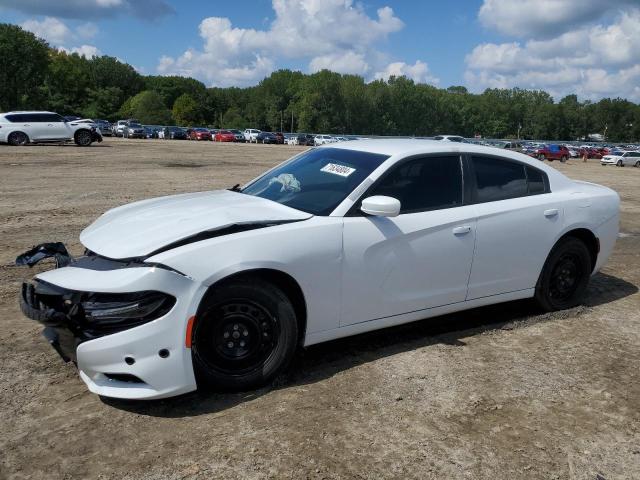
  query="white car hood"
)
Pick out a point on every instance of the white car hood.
point(141, 228)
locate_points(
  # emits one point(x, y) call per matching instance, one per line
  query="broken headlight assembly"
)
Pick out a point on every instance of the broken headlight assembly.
point(91, 314)
point(112, 312)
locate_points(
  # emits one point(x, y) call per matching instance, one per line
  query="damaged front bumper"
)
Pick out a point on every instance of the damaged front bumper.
point(124, 324)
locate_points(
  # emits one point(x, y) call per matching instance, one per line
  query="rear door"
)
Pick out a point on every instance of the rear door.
point(518, 222)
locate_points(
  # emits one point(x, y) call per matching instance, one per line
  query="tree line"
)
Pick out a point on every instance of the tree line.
point(35, 76)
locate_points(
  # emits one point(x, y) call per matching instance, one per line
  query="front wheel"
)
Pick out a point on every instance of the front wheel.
point(563, 159)
point(619, 164)
point(245, 334)
point(565, 275)
point(541, 157)
point(83, 138)
point(637, 164)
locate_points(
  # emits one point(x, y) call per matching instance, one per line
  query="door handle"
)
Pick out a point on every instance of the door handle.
point(50, 125)
point(461, 230)
point(552, 212)
point(26, 125)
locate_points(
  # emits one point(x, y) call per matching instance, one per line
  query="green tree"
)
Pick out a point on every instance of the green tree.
point(148, 107)
point(186, 110)
point(24, 60)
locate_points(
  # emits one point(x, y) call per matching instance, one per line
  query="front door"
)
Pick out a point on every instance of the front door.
point(417, 260)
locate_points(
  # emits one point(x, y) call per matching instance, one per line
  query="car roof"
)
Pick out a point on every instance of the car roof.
point(408, 147)
point(27, 111)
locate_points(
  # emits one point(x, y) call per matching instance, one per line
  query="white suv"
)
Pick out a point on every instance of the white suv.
point(323, 139)
point(20, 128)
point(251, 135)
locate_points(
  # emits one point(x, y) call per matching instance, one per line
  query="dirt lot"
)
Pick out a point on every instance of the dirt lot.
point(499, 392)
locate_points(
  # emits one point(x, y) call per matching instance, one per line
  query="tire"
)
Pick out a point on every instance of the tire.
point(83, 138)
point(18, 139)
point(637, 164)
point(245, 334)
point(563, 159)
point(619, 163)
point(565, 275)
point(541, 157)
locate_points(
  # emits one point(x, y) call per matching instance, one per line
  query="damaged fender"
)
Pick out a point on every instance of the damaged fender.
point(55, 250)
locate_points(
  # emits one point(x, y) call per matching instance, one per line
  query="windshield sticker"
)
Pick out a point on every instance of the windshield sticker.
point(337, 169)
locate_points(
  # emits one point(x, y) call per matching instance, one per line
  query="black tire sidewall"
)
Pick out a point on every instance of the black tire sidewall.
point(14, 143)
point(567, 245)
point(82, 132)
point(277, 303)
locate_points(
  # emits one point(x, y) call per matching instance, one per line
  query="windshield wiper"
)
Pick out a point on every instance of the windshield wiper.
point(235, 188)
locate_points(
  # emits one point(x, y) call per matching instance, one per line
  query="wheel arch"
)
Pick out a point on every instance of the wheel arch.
point(290, 287)
point(588, 238)
point(17, 130)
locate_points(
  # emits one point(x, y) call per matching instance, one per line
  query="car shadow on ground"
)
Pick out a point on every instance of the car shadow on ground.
point(322, 361)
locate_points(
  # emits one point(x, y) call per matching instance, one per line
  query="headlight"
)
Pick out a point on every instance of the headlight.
point(111, 312)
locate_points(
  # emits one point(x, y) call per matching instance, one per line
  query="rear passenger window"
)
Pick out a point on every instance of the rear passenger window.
point(498, 179)
point(535, 179)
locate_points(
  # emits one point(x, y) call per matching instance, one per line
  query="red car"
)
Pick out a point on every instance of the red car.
point(199, 134)
point(592, 153)
point(279, 138)
point(224, 136)
point(552, 152)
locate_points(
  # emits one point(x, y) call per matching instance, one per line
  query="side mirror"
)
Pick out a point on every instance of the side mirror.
point(381, 206)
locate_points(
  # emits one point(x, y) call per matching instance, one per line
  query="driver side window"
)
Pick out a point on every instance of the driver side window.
point(422, 184)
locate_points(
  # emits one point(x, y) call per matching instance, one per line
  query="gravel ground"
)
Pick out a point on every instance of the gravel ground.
point(499, 392)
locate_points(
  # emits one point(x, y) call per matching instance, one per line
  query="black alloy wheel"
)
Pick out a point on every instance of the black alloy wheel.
point(83, 138)
point(18, 139)
point(565, 275)
point(243, 336)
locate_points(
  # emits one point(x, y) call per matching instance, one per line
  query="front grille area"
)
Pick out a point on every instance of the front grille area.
point(72, 317)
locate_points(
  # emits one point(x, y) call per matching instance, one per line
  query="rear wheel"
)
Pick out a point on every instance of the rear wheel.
point(565, 275)
point(563, 159)
point(83, 138)
point(244, 336)
point(18, 139)
point(637, 164)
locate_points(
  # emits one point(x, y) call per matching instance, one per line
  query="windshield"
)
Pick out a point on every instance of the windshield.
point(135, 125)
point(318, 180)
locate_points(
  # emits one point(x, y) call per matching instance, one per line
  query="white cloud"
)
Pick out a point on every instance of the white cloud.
point(334, 34)
point(544, 18)
point(58, 34)
point(87, 51)
point(593, 61)
point(51, 29)
point(343, 62)
point(418, 72)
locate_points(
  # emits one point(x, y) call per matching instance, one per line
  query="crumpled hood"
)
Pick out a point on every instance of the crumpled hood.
point(140, 228)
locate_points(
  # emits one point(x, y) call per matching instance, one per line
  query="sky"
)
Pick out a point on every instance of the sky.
point(587, 47)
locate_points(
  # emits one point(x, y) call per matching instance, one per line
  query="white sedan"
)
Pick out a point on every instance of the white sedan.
point(220, 288)
point(622, 159)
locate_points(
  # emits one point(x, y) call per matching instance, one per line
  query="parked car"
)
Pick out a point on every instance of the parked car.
point(200, 134)
point(105, 127)
point(306, 139)
point(553, 152)
point(251, 135)
point(21, 128)
point(621, 159)
point(225, 136)
point(239, 136)
point(134, 130)
point(591, 152)
point(323, 139)
point(118, 128)
point(450, 138)
point(223, 286)
point(267, 137)
point(174, 133)
point(279, 138)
